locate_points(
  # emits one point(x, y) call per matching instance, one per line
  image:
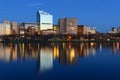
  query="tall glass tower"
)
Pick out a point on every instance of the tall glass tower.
point(44, 20)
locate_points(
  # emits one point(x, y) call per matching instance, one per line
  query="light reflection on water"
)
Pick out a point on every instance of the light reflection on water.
point(48, 56)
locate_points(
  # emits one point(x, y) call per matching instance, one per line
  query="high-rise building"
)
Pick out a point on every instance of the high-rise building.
point(44, 20)
point(68, 25)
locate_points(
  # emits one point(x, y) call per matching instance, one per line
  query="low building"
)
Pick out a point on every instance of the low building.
point(27, 25)
point(83, 29)
point(21, 31)
point(55, 28)
point(92, 31)
point(31, 30)
point(47, 32)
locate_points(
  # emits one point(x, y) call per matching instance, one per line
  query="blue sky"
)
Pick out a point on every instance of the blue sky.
point(102, 14)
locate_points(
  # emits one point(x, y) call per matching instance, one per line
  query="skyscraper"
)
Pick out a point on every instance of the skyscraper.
point(44, 21)
point(68, 25)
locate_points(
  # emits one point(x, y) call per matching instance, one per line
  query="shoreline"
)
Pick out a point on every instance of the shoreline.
point(59, 41)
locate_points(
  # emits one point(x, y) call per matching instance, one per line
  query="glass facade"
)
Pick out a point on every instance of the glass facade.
point(44, 20)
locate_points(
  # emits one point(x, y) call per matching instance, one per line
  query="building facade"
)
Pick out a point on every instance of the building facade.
point(68, 25)
point(44, 20)
point(14, 27)
point(6, 22)
point(5, 29)
point(31, 30)
point(83, 29)
point(48, 32)
point(26, 26)
point(55, 28)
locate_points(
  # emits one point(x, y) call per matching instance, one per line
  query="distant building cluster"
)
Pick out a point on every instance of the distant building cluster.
point(7, 28)
point(115, 30)
point(44, 25)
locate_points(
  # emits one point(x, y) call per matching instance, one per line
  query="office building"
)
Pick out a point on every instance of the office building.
point(5, 29)
point(44, 21)
point(68, 25)
point(14, 27)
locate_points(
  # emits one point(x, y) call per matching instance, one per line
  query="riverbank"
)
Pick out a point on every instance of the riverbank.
point(59, 41)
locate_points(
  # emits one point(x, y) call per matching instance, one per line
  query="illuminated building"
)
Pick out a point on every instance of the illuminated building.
point(114, 30)
point(83, 29)
point(44, 20)
point(31, 30)
point(68, 25)
point(5, 29)
point(6, 22)
point(14, 27)
point(47, 32)
point(25, 26)
point(55, 28)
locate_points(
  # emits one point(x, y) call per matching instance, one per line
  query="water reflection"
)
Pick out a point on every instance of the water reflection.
point(68, 54)
point(116, 47)
point(45, 54)
point(46, 58)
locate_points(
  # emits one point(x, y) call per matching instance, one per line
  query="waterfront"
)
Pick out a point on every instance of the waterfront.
point(56, 61)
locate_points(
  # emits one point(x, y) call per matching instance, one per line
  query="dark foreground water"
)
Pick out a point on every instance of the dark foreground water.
point(60, 61)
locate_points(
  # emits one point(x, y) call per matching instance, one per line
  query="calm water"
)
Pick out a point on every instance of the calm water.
point(63, 61)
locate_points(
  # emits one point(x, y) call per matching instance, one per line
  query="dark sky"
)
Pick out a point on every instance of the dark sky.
point(102, 14)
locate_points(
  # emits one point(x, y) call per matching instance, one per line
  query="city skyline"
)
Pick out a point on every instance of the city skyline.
point(94, 13)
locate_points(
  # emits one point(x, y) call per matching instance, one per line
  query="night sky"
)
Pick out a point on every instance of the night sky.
point(102, 14)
